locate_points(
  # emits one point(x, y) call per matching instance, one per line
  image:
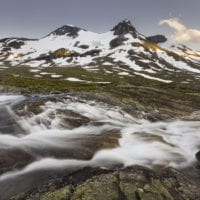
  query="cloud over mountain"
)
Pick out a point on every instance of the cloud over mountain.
point(182, 33)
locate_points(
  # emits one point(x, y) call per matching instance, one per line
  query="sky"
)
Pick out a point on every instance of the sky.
point(36, 18)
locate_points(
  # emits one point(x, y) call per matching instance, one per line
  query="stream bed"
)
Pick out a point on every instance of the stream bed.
point(48, 136)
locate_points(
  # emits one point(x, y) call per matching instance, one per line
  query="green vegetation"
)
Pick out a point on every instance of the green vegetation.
point(161, 100)
point(132, 183)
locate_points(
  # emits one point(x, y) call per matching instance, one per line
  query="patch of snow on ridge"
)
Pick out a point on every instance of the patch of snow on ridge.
point(74, 79)
point(56, 76)
point(122, 57)
point(153, 78)
point(52, 43)
point(177, 64)
point(123, 73)
point(84, 81)
point(95, 39)
point(36, 63)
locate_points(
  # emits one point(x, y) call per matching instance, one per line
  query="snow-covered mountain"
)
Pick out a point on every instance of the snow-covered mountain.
point(122, 48)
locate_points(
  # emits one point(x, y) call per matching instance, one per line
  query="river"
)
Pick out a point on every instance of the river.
point(48, 136)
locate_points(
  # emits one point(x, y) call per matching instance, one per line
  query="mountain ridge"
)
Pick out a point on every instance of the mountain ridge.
point(123, 47)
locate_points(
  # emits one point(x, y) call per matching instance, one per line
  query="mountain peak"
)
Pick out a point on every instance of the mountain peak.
point(124, 27)
point(68, 30)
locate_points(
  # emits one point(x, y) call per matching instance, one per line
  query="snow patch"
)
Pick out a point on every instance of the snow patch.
point(153, 78)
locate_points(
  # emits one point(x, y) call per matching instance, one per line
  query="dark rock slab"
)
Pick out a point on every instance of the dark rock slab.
point(13, 159)
point(8, 123)
point(198, 156)
point(157, 39)
point(117, 41)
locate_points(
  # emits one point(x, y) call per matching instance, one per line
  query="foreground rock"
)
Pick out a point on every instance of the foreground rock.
point(131, 183)
point(198, 156)
point(8, 123)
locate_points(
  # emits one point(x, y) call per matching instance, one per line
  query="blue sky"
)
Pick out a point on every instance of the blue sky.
point(36, 18)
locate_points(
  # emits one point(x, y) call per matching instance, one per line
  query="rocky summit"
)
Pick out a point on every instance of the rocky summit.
point(68, 30)
point(121, 49)
point(124, 27)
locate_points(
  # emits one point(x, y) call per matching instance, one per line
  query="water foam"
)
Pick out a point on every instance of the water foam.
point(172, 143)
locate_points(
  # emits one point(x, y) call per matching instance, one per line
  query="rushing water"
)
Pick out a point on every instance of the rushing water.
point(70, 132)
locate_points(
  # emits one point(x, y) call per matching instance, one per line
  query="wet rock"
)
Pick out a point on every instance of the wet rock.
point(157, 39)
point(83, 147)
point(131, 183)
point(198, 156)
point(71, 119)
point(13, 159)
point(195, 116)
point(29, 109)
point(34, 106)
point(9, 124)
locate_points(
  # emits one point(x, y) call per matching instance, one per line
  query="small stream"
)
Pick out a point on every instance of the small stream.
point(48, 136)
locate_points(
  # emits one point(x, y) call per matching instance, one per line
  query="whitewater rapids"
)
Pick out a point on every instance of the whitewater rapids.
point(138, 142)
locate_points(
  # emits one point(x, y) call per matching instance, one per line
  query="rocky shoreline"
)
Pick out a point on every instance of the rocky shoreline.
point(134, 182)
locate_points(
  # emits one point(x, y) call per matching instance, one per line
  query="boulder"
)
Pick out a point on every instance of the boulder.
point(62, 52)
point(9, 124)
point(198, 156)
point(14, 159)
point(157, 39)
point(117, 41)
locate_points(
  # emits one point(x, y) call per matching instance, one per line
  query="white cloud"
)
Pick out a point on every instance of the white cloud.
point(182, 33)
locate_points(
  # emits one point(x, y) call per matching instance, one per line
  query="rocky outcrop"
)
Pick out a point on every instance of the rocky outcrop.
point(83, 46)
point(157, 39)
point(124, 27)
point(13, 159)
point(8, 123)
point(117, 41)
point(133, 183)
point(93, 52)
point(15, 43)
point(62, 52)
point(68, 30)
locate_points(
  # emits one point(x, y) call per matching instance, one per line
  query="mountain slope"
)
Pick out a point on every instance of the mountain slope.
point(121, 49)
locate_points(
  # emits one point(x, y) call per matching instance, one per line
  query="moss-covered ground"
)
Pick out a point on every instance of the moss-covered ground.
point(180, 97)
